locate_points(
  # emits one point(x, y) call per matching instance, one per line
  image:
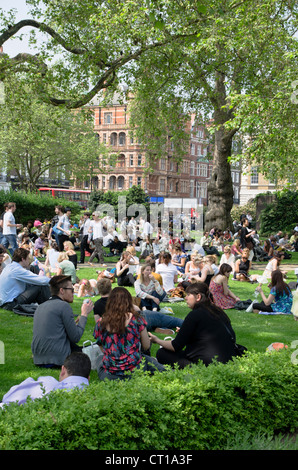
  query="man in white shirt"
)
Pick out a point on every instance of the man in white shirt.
point(147, 230)
point(10, 228)
point(96, 229)
point(85, 236)
point(75, 373)
point(18, 285)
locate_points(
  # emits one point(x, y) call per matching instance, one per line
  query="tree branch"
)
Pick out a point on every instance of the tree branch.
point(12, 30)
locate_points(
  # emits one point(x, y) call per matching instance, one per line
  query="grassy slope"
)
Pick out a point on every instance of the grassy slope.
point(256, 332)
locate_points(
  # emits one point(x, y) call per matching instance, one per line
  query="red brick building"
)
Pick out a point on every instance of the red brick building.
point(169, 179)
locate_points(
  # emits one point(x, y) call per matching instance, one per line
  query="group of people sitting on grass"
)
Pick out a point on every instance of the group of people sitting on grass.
point(125, 324)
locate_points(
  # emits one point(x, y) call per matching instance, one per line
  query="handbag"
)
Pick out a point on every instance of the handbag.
point(93, 351)
point(56, 230)
point(239, 349)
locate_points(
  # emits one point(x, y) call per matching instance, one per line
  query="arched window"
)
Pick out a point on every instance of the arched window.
point(112, 183)
point(94, 182)
point(122, 138)
point(113, 138)
point(120, 182)
point(121, 161)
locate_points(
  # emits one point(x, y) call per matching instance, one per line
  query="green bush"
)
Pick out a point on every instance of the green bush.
point(237, 211)
point(198, 408)
point(31, 206)
point(281, 214)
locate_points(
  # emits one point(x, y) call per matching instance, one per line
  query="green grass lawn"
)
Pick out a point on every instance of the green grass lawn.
point(254, 331)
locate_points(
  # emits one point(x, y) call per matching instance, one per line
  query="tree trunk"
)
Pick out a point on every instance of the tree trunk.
point(220, 188)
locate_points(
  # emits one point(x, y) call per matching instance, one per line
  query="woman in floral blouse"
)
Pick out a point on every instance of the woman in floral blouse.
point(122, 335)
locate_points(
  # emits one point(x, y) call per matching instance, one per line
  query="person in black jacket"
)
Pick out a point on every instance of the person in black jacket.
point(206, 333)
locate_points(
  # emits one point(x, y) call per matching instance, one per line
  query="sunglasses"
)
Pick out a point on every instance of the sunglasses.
point(68, 288)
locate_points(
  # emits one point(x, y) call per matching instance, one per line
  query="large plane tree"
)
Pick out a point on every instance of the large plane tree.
point(232, 61)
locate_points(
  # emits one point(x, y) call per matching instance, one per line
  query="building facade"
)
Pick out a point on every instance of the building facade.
point(128, 167)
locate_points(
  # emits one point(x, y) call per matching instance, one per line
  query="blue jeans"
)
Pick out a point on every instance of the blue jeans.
point(10, 240)
point(160, 320)
point(150, 304)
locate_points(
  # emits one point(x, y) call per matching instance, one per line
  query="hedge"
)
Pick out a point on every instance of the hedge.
point(31, 206)
point(198, 408)
point(280, 214)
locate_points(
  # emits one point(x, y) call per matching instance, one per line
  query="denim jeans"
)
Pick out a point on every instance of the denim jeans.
point(10, 240)
point(160, 320)
point(150, 304)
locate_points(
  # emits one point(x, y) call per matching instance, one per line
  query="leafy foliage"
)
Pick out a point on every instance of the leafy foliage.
point(281, 214)
point(31, 206)
point(38, 139)
point(134, 195)
point(209, 406)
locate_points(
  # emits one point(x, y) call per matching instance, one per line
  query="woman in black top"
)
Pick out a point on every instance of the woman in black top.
point(242, 267)
point(246, 235)
point(206, 333)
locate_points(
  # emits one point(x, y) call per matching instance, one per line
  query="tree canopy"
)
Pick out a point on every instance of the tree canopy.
point(232, 61)
point(37, 139)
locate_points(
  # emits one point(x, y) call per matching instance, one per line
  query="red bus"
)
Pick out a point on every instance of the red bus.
point(80, 196)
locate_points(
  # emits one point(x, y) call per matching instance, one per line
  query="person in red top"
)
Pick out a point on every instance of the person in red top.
point(122, 335)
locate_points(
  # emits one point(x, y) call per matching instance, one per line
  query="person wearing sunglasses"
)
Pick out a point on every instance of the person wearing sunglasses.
point(242, 267)
point(55, 330)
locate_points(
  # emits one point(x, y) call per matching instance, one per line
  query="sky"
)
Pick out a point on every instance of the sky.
point(15, 46)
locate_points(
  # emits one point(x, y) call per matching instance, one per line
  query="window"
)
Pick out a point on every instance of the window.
point(139, 160)
point(104, 138)
point(192, 149)
point(202, 170)
point(191, 191)
point(120, 182)
point(202, 189)
point(107, 118)
point(139, 181)
point(162, 185)
point(103, 182)
point(192, 168)
point(163, 164)
point(113, 138)
point(130, 160)
point(254, 179)
point(121, 161)
point(121, 138)
point(130, 182)
point(236, 193)
point(184, 187)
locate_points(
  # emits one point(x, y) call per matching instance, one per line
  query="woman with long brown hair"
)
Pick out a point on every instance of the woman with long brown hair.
point(280, 298)
point(122, 335)
point(206, 333)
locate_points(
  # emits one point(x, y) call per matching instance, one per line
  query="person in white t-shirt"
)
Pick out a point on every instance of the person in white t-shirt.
point(84, 227)
point(167, 270)
point(10, 228)
point(147, 230)
point(96, 228)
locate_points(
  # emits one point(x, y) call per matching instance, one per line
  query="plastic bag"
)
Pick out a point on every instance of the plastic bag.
point(295, 305)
